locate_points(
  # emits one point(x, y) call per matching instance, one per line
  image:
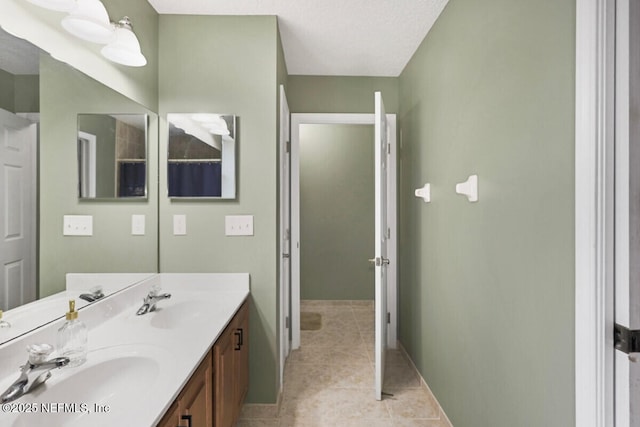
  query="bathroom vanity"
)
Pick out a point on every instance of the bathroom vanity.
point(215, 392)
point(183, 364)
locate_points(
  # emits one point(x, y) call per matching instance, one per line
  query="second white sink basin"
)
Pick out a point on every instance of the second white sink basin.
point(95, 392)
point(177, 315)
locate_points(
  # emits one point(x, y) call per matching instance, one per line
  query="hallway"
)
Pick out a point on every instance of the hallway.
point(329, 381)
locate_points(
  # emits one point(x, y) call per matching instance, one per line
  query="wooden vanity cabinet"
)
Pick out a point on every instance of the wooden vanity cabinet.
point(214, 394)
point(231, 360)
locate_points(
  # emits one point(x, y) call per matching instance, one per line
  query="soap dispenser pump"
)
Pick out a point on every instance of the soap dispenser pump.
point(72, 338)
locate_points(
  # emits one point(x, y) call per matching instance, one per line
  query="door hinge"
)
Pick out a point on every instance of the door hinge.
point(286, 322)
point(388, 148)
point(388, 233)
point(626, 340)
point(287, 147)
point(388, 318)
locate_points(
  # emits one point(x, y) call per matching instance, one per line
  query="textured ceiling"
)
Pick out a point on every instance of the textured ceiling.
point(18, 56)
point(333, 37)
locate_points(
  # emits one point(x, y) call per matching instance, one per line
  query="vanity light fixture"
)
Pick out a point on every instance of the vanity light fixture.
point(218, 130)
point(57, 5)
point(89, 21)
point(125, 49)
point(213, 123)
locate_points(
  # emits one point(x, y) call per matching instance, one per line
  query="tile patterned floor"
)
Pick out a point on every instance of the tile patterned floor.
point(328, 382)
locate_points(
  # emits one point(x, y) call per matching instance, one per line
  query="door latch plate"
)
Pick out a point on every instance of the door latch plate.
point(626, 340)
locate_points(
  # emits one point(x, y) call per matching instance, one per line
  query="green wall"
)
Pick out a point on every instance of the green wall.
point(336, 211)
point(65, 92)
point(27, 93)
point(7, 91)
point(19, 93)
point(226, 64)
point(487, 288)
point(340, 94)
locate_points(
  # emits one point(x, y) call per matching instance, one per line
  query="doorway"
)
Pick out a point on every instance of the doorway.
point(297, 122)
point(18, 145)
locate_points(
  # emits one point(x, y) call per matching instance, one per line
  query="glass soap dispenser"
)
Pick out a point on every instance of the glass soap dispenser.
point(4, 323)
point(72, 338)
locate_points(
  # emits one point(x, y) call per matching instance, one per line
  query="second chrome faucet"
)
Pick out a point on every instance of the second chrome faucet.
point(150, 301)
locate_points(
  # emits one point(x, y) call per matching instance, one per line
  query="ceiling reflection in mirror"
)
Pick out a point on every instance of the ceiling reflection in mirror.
point(112, 156)
point(202, 155)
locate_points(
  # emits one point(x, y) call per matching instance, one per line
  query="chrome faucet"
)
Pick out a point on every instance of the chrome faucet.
point(31, 376)
point(150, 301)
point(94, 294)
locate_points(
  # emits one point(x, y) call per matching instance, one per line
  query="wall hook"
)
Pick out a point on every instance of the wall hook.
point(424, 193)
point(469, 188)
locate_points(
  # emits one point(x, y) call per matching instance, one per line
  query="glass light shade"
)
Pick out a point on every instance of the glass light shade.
point(90, 21)
point(57, 5)
point(125, 49)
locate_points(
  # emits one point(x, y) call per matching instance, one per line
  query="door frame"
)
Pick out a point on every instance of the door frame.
point(285, 222)
point(594, 212)
point(298, 119)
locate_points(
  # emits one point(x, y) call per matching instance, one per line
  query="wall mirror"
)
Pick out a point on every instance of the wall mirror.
point(40, 99)
point(202, 155)
point(112, 156)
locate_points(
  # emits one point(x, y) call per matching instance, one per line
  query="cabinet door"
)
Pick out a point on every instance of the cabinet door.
point(241, 355)
point(224, 394)
point(195, 399)
point(171, 417)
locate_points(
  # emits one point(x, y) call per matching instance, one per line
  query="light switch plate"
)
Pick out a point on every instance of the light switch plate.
point(137, 225)
point(238, 225)
point(179, 225)
point(78, 225)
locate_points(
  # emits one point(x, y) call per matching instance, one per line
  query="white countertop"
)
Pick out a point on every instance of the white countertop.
point(136, 364)
point(37, 313)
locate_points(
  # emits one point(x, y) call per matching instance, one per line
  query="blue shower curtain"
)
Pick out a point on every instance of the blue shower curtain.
point(195, 179)
point(131, 182)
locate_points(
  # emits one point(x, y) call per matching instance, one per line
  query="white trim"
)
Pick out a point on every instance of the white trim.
point(621, 382)
point(594, 213)
point(365, 119)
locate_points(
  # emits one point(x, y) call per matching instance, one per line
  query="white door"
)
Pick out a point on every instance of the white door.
point(381, 259)
point(285, 231)
point(17, 210)
point(627, 213)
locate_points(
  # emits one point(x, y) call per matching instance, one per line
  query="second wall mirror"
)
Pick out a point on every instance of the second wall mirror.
point(202, 155)
point(112, 156)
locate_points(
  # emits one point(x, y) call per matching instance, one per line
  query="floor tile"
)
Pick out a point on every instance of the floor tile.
point(329, 381)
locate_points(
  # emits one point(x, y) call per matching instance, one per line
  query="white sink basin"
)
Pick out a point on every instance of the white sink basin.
point(95, 392)
point(177, 315)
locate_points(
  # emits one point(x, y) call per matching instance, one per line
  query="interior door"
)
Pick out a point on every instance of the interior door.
point(17, 210)
point(285, 231)
point(381, 259)
point(627, 214)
